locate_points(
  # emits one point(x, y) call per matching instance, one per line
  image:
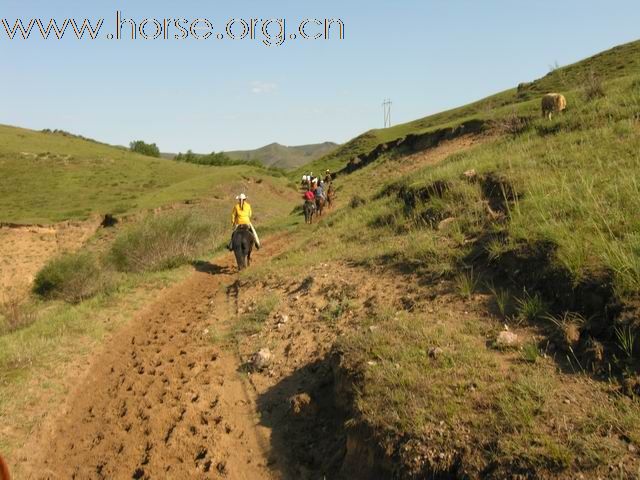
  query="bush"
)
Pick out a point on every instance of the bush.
point(71, 277)
point(357, 201)
point(511, 124)
point(148, 149)
point(593, 87)
point(160, 243)
point(219, 159)
point(15, 313)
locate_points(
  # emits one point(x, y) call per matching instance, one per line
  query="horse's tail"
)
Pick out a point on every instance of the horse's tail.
point(242, 243)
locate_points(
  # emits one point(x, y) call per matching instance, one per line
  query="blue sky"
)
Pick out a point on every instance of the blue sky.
point(212, 95)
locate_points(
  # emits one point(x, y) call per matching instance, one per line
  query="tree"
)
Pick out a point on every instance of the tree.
point(148, 149)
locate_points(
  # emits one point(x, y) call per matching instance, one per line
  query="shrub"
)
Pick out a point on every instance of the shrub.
point(15, 313)
point(593, 87)
point(159, 243)
point(71, 277)
point(148, 149)
point(357, 201)
point(511, 124)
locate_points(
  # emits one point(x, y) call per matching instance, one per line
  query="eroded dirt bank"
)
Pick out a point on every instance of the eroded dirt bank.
point(26, 249)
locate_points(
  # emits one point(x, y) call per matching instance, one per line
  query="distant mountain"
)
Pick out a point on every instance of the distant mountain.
point(276, 155)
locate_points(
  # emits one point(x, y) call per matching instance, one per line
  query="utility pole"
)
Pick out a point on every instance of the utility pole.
point(386, 105)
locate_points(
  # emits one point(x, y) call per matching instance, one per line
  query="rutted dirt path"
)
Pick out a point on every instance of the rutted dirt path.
point(162, 400)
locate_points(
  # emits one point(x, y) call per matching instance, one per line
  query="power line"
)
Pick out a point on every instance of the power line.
point(386, 105)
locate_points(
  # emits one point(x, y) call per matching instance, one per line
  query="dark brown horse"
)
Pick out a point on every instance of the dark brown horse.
point(242, 245)
point(320, 203)
point(331, 194)
point(309, 210)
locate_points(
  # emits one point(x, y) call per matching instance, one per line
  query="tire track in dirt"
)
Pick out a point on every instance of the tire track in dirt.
point(161, 400)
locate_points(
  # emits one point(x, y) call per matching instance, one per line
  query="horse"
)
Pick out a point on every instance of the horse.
point(320, 202)
point(4, 470)
point(330, 195)
point(242, 245)
point(309, 210)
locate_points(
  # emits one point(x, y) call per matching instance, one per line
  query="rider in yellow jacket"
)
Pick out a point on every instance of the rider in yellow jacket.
point(241, 215)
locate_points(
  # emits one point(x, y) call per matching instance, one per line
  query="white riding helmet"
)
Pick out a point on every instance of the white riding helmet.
point(242, 196)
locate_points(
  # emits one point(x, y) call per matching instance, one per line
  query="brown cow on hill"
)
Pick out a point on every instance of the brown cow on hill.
point(553, 103)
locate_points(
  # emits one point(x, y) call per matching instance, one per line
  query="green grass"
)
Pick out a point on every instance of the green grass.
point(49, 177)
point(252, 321)
point(467, 283)
point(561, 169)
point(530, 307)
point(162, 242)
point(530, 352)
point(626, 339)
point(507, 410)
point(502, 298)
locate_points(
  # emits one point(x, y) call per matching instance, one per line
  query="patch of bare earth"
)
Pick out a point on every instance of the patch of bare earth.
point(26, 249)
point(161, 400)
point(430, 156)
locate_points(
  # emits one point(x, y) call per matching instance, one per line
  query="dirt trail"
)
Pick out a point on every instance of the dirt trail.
point(162, 401)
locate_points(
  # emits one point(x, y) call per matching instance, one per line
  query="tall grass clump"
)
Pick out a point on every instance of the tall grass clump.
point(16, 313)
point(593, 86)
point(626, 338)
point(161, 242)
point(502, 298)
point(467, 283)
point(531, 307)
point(72, 277)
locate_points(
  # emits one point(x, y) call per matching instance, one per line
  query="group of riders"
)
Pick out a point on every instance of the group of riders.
point(317, 193)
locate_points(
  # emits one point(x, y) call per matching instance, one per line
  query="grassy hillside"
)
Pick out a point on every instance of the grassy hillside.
point(48, 177)
point(536, 228)
point(280, 156)
point(618, 62)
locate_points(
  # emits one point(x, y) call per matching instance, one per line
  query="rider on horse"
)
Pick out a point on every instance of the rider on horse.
point(319, 193)
point(328, 178)
point(309, 196)
point(241, 216)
